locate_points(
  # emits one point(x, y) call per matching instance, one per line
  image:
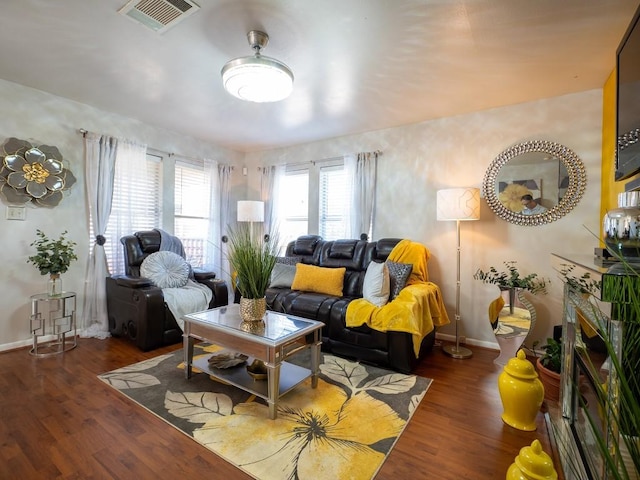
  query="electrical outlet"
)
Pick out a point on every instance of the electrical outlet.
point(16, 213)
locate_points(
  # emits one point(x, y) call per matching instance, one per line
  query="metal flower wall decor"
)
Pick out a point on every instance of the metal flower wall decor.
point(33, 174)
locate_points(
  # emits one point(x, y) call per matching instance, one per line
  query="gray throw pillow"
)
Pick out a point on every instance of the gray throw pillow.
point(288, 260)
point(282, 275)
point(398, 276)
point(165, 269)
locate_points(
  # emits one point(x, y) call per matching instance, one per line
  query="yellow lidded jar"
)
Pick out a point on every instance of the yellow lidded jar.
point(521, 393)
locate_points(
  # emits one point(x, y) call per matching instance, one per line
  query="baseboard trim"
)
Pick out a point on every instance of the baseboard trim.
point(469, 341)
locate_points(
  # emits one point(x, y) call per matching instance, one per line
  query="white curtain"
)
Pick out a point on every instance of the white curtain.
point(364, 193)
point(100, 159)
point(212, 257)
point(270, 185)
point(224, 189)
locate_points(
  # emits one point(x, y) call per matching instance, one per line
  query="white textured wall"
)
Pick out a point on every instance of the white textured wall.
point(46, 119)
point(419, 159)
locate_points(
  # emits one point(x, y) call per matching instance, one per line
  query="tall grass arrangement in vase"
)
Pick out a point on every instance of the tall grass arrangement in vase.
point(252, 258)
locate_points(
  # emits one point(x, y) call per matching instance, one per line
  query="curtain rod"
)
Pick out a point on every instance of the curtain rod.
point(313, 162)
point(84, 132)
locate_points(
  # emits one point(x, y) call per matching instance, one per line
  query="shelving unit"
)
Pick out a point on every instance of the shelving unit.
point(585, 371)
point(290, 376)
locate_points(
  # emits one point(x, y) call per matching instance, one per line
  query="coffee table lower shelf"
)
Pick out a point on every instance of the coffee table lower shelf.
point(290, 376)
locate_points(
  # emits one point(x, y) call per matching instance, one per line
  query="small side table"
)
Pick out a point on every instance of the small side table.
point(53, 316)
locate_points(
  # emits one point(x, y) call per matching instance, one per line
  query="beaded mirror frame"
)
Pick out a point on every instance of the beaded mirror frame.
point(576, 176)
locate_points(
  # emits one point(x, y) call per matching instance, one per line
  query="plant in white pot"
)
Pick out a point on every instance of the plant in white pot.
point(252, 259)
point(53, 257)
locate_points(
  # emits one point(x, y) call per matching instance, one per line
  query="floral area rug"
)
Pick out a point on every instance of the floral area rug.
point(344, 428)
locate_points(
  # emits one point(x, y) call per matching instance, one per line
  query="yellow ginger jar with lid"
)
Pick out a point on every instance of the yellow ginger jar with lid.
point(521, 393)
point(532, 463)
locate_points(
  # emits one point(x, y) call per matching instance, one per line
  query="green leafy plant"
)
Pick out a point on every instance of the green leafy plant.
point(252, 260)
point(583, 284)
point(53, 256)
point(512, 278)
point(551, 358)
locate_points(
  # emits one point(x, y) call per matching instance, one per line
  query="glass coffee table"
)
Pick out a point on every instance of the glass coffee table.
point(279, 338)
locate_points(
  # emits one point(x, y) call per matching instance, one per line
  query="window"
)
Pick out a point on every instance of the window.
point(335, 197)
point(314, 200)
point(154, 191)
point(136, 204)
point(193, 186)
point(293, 217)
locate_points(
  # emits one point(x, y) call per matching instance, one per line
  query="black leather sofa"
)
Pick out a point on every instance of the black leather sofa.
point(136, 308)
point(387, 349)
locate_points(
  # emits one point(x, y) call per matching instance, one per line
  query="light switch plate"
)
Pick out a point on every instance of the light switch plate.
point(16, 213)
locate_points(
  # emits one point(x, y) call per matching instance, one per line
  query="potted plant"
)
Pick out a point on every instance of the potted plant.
point(548, 366)
point(511, 279)
point(252, 259)
point(53, 257)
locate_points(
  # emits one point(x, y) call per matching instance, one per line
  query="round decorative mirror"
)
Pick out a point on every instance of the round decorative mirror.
point(533, 183)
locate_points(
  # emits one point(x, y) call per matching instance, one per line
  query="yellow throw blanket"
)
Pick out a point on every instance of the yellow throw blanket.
point(416, 310)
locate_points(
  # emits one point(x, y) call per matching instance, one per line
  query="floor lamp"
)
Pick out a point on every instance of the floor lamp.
point(250, 211)
point(459, 204)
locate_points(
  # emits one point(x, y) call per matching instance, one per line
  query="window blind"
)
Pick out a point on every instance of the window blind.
point(193, 185)
point(135, 206)
point(294, 206)
point(335, 199)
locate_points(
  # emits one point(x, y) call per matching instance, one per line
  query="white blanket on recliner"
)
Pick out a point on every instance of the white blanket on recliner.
point(193, 297)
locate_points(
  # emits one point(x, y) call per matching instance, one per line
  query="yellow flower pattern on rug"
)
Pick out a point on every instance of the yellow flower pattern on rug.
point(343, 429)
point(312, 425)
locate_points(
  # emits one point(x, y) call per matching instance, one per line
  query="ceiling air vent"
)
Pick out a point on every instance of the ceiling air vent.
point(159, 15)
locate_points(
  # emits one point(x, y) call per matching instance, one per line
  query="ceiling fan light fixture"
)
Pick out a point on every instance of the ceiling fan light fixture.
point(257, 78)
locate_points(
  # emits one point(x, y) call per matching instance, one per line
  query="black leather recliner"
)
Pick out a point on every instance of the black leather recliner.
point(136, 308)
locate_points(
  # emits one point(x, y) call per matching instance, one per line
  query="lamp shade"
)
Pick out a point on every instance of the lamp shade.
point(458, 204)
point(250, 211)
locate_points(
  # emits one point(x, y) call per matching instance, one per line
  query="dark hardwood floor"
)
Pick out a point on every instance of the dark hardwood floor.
point(58, 421)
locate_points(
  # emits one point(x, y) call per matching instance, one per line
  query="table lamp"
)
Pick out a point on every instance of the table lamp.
point(250, 211)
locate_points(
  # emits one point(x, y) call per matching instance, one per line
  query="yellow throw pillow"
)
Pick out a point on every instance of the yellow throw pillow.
point(310, 278)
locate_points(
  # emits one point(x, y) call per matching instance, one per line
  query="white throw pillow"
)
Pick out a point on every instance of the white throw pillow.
point(376, 284)
point(165, 269)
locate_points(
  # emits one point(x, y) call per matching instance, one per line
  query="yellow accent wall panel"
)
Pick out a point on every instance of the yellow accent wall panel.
point(609, 188)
